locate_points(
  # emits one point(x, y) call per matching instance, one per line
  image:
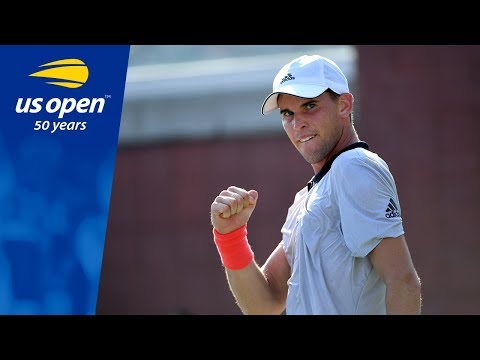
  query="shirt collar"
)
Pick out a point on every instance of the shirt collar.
point(318, 176)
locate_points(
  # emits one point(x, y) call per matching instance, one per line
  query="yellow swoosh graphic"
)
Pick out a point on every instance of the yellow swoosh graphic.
point(73, 71)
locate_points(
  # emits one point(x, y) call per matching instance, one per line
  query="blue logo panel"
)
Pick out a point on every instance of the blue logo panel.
point(60, 117)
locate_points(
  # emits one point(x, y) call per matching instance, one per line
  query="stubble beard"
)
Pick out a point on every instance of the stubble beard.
point(321, 152)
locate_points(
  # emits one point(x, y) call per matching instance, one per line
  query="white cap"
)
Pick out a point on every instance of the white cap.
point(307, 76)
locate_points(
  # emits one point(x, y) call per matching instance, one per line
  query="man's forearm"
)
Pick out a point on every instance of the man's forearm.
point(252, 292)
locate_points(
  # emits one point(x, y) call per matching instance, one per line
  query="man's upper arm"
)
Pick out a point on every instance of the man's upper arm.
point(277, 272)
point(392, 260)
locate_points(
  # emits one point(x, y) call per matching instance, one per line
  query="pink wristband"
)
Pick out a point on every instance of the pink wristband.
point(234, 249)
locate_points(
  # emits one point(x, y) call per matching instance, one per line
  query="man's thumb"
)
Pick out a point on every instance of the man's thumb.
point(253, 195)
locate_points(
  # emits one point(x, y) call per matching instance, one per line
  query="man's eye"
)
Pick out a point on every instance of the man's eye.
point(311, 106)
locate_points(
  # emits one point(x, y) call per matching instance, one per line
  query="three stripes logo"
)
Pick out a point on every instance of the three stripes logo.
point(392, 210)
point(287, 77)
point(69, 73)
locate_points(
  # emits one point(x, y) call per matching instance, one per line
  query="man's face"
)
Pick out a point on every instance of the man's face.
point(313, 125)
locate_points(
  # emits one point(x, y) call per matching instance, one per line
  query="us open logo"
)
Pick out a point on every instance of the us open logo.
point(68, 73)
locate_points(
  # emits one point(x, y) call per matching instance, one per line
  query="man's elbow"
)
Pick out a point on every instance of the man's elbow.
point(404, 294)
point(413, 283)
point(267, 308)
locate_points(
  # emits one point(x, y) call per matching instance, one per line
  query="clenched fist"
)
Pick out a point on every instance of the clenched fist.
point(232, 209)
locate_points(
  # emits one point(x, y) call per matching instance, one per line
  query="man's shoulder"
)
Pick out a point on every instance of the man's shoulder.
point(356, 159)
point(357, 154)
point(301, 193)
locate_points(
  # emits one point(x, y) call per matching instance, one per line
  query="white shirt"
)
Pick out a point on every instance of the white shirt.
point(329, 232)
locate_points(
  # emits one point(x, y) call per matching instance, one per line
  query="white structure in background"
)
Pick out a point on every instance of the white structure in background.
point(210, 98)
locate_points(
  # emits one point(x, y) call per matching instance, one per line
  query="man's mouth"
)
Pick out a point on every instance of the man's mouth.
point(305, 139)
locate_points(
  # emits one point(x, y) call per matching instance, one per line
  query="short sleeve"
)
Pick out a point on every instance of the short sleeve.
point(367, 200)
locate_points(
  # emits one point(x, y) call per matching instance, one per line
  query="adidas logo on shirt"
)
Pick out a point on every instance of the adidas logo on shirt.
point(392, 210)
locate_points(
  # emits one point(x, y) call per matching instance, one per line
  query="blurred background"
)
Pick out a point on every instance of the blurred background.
point(191, 126)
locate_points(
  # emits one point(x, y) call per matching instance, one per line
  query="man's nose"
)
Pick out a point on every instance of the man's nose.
point(299, 122)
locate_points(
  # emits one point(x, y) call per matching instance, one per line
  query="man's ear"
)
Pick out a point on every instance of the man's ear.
point(346, 104)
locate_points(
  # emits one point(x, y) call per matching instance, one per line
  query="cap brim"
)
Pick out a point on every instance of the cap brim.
point(305, 91)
